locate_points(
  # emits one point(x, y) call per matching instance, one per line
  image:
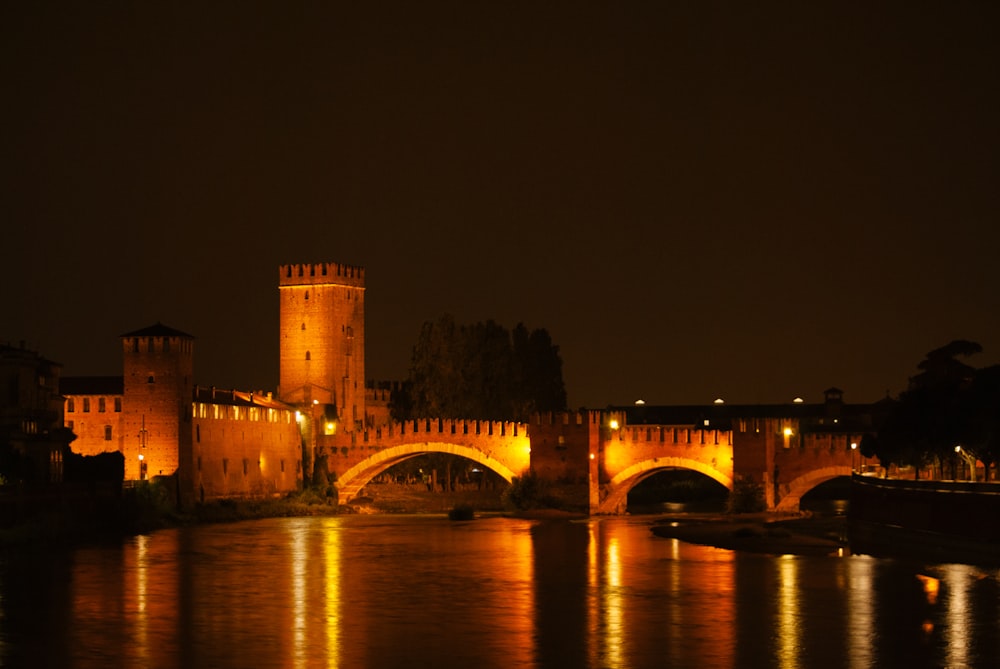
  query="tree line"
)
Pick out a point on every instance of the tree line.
point(480, 371)
point(949, 410)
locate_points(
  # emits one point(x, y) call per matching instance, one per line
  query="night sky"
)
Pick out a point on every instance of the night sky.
point(696, 200)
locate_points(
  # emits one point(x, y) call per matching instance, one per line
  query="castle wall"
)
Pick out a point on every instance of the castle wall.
point(97, 422)
point(561, 445)
point(322, 338)
point(245, 451)
point(156, 408)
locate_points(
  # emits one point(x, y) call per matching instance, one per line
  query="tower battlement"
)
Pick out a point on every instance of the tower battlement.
point(321, 273)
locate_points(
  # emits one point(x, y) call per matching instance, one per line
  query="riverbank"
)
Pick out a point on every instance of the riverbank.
point(772, 534)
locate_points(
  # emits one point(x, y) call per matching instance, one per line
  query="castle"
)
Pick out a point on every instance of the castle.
point(230, 443)
point(214, 443)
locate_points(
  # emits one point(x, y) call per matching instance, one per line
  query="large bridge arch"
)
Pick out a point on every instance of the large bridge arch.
point(350, 483)
point(791, 494)
point(617, 489)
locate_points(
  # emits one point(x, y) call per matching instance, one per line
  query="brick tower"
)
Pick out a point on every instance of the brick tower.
point(156, 408)
point(322, 340)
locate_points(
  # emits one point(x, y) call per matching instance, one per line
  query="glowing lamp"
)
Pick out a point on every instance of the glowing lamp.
point(613, 424)
point(854, 445)
point(141, 457)
point(788, 431)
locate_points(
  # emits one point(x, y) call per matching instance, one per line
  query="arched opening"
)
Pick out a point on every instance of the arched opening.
point(614, 494)
point(677, 490)
point(828, 498)
point(424, 478)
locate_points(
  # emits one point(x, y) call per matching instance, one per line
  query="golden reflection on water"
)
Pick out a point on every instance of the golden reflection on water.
point(141, 573)
point(788, 623)
point(358, 592)
point(860, 607)
point(957, 616)
point(331, 564)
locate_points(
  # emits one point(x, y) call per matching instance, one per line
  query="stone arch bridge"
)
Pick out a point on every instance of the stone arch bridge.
point(599, 450)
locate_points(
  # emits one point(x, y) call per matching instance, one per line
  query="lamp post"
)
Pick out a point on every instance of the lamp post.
point(854, 449)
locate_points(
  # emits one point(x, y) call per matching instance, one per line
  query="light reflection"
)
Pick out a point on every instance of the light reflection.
point(141, 599)
point(593, 587)
point(614, 607)
point(300, 559)
point(959, 579)
point(331, 578)
point(861, 611)
point(788, 613)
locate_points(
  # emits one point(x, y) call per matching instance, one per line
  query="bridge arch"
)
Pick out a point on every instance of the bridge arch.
point(350, 483)
point(617, 489)
point(792, 494)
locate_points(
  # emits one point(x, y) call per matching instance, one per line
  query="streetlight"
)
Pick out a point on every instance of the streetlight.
point(854, 448)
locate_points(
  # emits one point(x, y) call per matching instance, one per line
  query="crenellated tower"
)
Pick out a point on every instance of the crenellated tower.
point(156, 411)
point(322, 339)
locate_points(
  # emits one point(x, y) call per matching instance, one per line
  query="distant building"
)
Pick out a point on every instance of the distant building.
point(32, 438)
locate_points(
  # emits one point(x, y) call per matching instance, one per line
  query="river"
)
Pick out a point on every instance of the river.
point(423, 591)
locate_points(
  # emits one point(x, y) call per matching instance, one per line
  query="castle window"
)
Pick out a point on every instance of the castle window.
point(107, 433)
point(225, 465)
point(307, 294)
point(150, 347)
point(197, 433)
point(282, 466)
point(86, 405)
point(166, 345)
point(303, 327)
point(118, 405)
point(70, 424)
point(150, 379)
point(308, 357)
point(70, 405)
point(135, 344)
point(199, 463)
point(101, 405)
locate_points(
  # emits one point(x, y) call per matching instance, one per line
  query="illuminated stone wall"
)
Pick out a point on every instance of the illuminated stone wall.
point(247, 447)
point(322, 338)
point(93, 426)
point(156, 407)
point(561, 444)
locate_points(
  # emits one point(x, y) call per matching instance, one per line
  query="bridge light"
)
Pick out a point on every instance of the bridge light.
point(798, 400)
point(718, 400)
point(958, 449)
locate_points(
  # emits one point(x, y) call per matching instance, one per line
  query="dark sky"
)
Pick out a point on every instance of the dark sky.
point(695, 199)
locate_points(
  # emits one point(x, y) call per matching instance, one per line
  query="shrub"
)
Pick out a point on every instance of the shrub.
point(527, 492)
point(747, 496)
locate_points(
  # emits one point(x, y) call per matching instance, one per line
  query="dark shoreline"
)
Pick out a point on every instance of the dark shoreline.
point(773, 534)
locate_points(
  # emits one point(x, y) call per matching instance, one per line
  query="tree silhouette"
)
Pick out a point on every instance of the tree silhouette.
point(949, 409)
point(480, 371)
